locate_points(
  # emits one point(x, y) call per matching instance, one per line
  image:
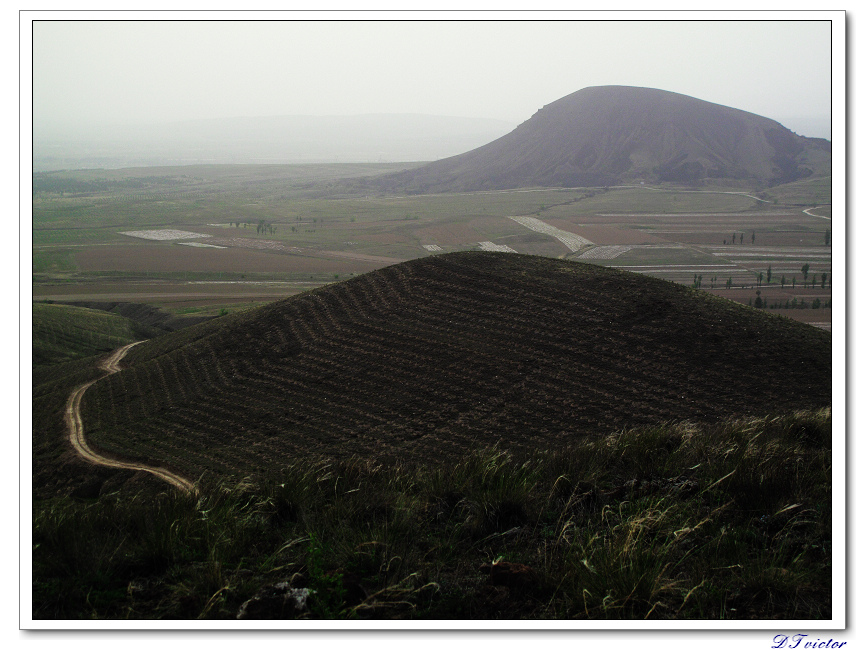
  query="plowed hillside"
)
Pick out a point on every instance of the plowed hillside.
point(430, 358)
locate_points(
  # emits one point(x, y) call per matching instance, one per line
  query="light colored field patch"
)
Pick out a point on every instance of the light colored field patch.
point(612, 252)
point(432, 248)
point(569, 239)
point(604, 252)
point(495, 248)
point(198, 244)
point(163, 235)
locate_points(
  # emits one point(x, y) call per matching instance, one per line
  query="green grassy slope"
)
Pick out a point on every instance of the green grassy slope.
point(427, 359)
point(65, 333)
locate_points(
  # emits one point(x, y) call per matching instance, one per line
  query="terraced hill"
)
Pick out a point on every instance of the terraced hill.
point(430, 358)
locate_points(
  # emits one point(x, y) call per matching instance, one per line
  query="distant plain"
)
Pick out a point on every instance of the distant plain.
point(283, 229)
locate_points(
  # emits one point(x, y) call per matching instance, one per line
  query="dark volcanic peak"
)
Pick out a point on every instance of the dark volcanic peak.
point(605, 135)
point(425, 360)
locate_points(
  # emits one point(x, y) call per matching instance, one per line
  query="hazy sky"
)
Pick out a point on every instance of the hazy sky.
point(130, 71)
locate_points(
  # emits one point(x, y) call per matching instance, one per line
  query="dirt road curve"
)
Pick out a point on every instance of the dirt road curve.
point(76, 429)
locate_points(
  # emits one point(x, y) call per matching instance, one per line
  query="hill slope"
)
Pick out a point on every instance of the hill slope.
point(66, 332)
point(604, 135)
point(430, 358)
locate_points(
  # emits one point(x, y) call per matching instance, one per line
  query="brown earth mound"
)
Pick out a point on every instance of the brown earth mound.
point(425, 360)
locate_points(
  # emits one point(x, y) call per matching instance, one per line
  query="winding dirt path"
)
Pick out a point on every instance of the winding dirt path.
point(76, 429)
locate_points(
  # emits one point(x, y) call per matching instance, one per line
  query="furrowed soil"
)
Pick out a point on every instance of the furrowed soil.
point(423, 361)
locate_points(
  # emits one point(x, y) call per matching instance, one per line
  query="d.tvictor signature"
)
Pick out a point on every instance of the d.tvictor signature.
point(795, 641)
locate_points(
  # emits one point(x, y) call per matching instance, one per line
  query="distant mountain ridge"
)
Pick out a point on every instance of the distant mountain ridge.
point(611, 134)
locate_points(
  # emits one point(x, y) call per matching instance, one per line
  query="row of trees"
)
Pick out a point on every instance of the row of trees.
point(263, 227)
point(805, 270)
point(761, 303)
point(741, 236)
point(698, 279)
point(826, 237)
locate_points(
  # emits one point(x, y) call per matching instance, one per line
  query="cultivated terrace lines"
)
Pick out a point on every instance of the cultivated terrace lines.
point(436, 356)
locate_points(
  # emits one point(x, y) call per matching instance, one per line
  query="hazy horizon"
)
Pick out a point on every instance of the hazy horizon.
point(162, 70)
point(264, 140)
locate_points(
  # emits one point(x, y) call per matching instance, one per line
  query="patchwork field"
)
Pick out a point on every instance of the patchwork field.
point(296, 224)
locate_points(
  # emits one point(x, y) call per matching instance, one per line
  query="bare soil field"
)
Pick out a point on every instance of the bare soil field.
point(169, 258)
point(174, 295)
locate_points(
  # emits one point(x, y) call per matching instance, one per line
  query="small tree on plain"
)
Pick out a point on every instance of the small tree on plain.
point(823, 280)
point(805, 268)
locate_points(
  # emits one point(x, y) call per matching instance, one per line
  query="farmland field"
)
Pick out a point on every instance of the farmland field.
point(301, 226)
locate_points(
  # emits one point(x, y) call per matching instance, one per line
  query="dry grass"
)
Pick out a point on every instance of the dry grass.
point(683, 521)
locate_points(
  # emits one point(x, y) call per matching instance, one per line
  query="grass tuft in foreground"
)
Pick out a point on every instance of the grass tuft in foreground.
point(731, 520)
